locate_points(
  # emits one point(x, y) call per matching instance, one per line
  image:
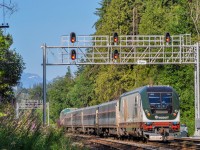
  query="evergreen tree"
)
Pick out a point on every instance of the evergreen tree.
point(11, 67)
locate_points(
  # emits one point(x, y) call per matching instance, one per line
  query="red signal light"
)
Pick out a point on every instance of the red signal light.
point(73, 37)
point(167, 38)
point(73, 54)
point(115, 37)
point(73, 40)
point(115, 54)
point(73, 57)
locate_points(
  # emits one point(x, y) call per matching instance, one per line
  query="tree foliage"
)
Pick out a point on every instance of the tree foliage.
point(58, 92)
point(11, 67)
point(35, 93)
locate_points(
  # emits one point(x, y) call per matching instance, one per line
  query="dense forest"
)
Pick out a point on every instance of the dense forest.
point(94, 84)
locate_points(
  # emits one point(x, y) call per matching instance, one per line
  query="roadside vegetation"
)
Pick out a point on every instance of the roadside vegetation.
point(27, 133)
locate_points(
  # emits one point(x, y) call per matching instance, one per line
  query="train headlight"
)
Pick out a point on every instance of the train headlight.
point(175, 112)
point(148, 113)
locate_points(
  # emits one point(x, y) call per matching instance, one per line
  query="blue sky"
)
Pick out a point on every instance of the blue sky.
point(44, 21)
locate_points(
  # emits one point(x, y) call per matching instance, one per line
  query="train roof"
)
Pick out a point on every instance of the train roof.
point(159, 89)
point(90, 107)
point(106, 103)
point(134, 91)
point(155, 88)
point(66, 110)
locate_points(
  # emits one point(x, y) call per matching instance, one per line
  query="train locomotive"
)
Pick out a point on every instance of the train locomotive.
point(148, 112)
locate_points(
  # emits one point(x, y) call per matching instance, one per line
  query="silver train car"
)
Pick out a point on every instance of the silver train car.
point(150, 112)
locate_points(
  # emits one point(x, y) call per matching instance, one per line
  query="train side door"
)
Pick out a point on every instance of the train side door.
point(125, 110)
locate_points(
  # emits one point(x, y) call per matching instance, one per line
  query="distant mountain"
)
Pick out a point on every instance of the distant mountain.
point(30, 79)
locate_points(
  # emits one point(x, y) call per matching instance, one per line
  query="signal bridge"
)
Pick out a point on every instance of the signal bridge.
point(30, 104)
point(123, 50)
point(27, 104)
point(151, 49)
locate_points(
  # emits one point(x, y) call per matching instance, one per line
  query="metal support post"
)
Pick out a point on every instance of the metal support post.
point(44, 84)
point(17, 110)
point(197, 94)
point(48, 112)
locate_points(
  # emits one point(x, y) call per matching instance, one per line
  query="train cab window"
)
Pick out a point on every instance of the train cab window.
point(160, 102)
point(154, 99)
point(166, 99)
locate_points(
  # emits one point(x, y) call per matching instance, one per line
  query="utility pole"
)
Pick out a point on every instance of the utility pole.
point(135, 21)
point(3, 25)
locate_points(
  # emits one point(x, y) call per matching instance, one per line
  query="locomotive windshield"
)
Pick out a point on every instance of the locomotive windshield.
point(160, 102)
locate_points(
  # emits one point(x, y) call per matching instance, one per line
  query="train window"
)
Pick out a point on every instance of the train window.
point(166, 98)
point(160, 101)
point(154, 98)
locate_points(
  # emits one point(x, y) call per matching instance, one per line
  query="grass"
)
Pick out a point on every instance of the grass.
point(27, 133)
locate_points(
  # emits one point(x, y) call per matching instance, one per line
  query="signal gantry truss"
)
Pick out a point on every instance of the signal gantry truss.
point(133, 49)
point(137, 49)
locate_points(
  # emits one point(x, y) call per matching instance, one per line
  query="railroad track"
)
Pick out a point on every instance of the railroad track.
point(95, 143)
point(187, 143)
point(123, 145)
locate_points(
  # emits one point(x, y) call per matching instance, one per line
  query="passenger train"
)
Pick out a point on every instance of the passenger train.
point(148, 112)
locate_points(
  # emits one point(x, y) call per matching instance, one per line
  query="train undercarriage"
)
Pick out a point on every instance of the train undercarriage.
point(157, 134)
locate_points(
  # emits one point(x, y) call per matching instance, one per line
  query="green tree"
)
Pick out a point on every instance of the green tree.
point(101, 12)
point(35, 93)
point(11, 67)
point(160, 17)
point(57, 94)
point(195, 14)
point(115, 16)
point(82, 93)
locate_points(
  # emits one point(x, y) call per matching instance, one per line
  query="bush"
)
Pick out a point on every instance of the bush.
point(27, 132)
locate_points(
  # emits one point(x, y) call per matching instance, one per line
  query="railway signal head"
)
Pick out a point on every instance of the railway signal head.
point(73, 37)
point(115, 54)
point(167, 38)
point(73, 54)
point(115, 37)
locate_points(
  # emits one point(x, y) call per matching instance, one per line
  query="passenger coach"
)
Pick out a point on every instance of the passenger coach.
point(149, 112)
